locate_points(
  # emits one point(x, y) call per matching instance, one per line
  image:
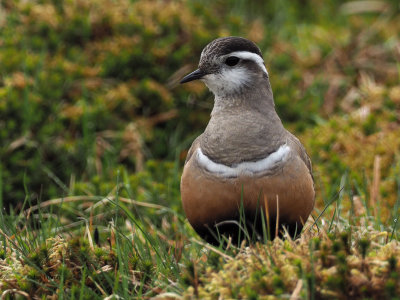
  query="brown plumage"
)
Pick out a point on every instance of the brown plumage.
point(245, 157)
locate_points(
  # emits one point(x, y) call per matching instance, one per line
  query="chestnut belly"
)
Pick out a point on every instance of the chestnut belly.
point(247, 206)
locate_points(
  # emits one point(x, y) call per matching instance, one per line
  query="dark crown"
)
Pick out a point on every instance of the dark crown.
point(226, 45)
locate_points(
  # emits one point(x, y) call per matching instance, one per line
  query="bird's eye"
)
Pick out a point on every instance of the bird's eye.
point(232, 61)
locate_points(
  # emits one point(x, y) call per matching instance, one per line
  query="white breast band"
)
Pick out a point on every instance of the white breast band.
point(245, 168)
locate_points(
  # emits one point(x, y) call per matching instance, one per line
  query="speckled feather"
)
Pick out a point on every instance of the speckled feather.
point(226, 45)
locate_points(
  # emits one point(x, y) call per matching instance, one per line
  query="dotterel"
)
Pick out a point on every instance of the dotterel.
point(245, 160)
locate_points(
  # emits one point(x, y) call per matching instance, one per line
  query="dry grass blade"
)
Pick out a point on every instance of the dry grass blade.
point(277, 216)
point(11, 241)
point(376, 183)
point(296, 292)
point(267, 215)
point(208, 246)
point(357, 7)
point(89, 235)
point(101, 200)
point(14, 292)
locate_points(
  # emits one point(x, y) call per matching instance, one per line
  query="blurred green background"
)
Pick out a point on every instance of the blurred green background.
point(89, 91)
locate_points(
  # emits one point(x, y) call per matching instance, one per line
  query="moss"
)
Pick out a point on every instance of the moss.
point(282, 268)
point(65, 61)
point(363, 244)
point(2, 254)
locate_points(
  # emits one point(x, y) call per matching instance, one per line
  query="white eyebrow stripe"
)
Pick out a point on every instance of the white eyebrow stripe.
point(251, 56)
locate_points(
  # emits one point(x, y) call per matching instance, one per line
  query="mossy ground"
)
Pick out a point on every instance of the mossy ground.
point(349, 263)
point(95, 129)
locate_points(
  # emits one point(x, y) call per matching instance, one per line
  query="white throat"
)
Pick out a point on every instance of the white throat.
point(261, 166)
point(228, 82)
point(232, 80)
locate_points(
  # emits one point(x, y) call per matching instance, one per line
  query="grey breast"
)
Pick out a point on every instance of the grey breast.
point(242, 135)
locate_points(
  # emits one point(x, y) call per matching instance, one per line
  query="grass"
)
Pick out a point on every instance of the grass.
point(136, 249)
point(94, 134)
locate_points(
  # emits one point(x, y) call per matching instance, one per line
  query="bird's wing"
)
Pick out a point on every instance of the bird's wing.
point(300, 150)
point(193, 148)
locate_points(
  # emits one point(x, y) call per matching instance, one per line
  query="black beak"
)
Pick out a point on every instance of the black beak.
point(198, 74)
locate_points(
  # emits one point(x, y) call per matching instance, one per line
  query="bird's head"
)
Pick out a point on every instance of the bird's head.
point(230, 66)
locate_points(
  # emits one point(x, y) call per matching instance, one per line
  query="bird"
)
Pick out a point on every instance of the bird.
point(245, 176)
